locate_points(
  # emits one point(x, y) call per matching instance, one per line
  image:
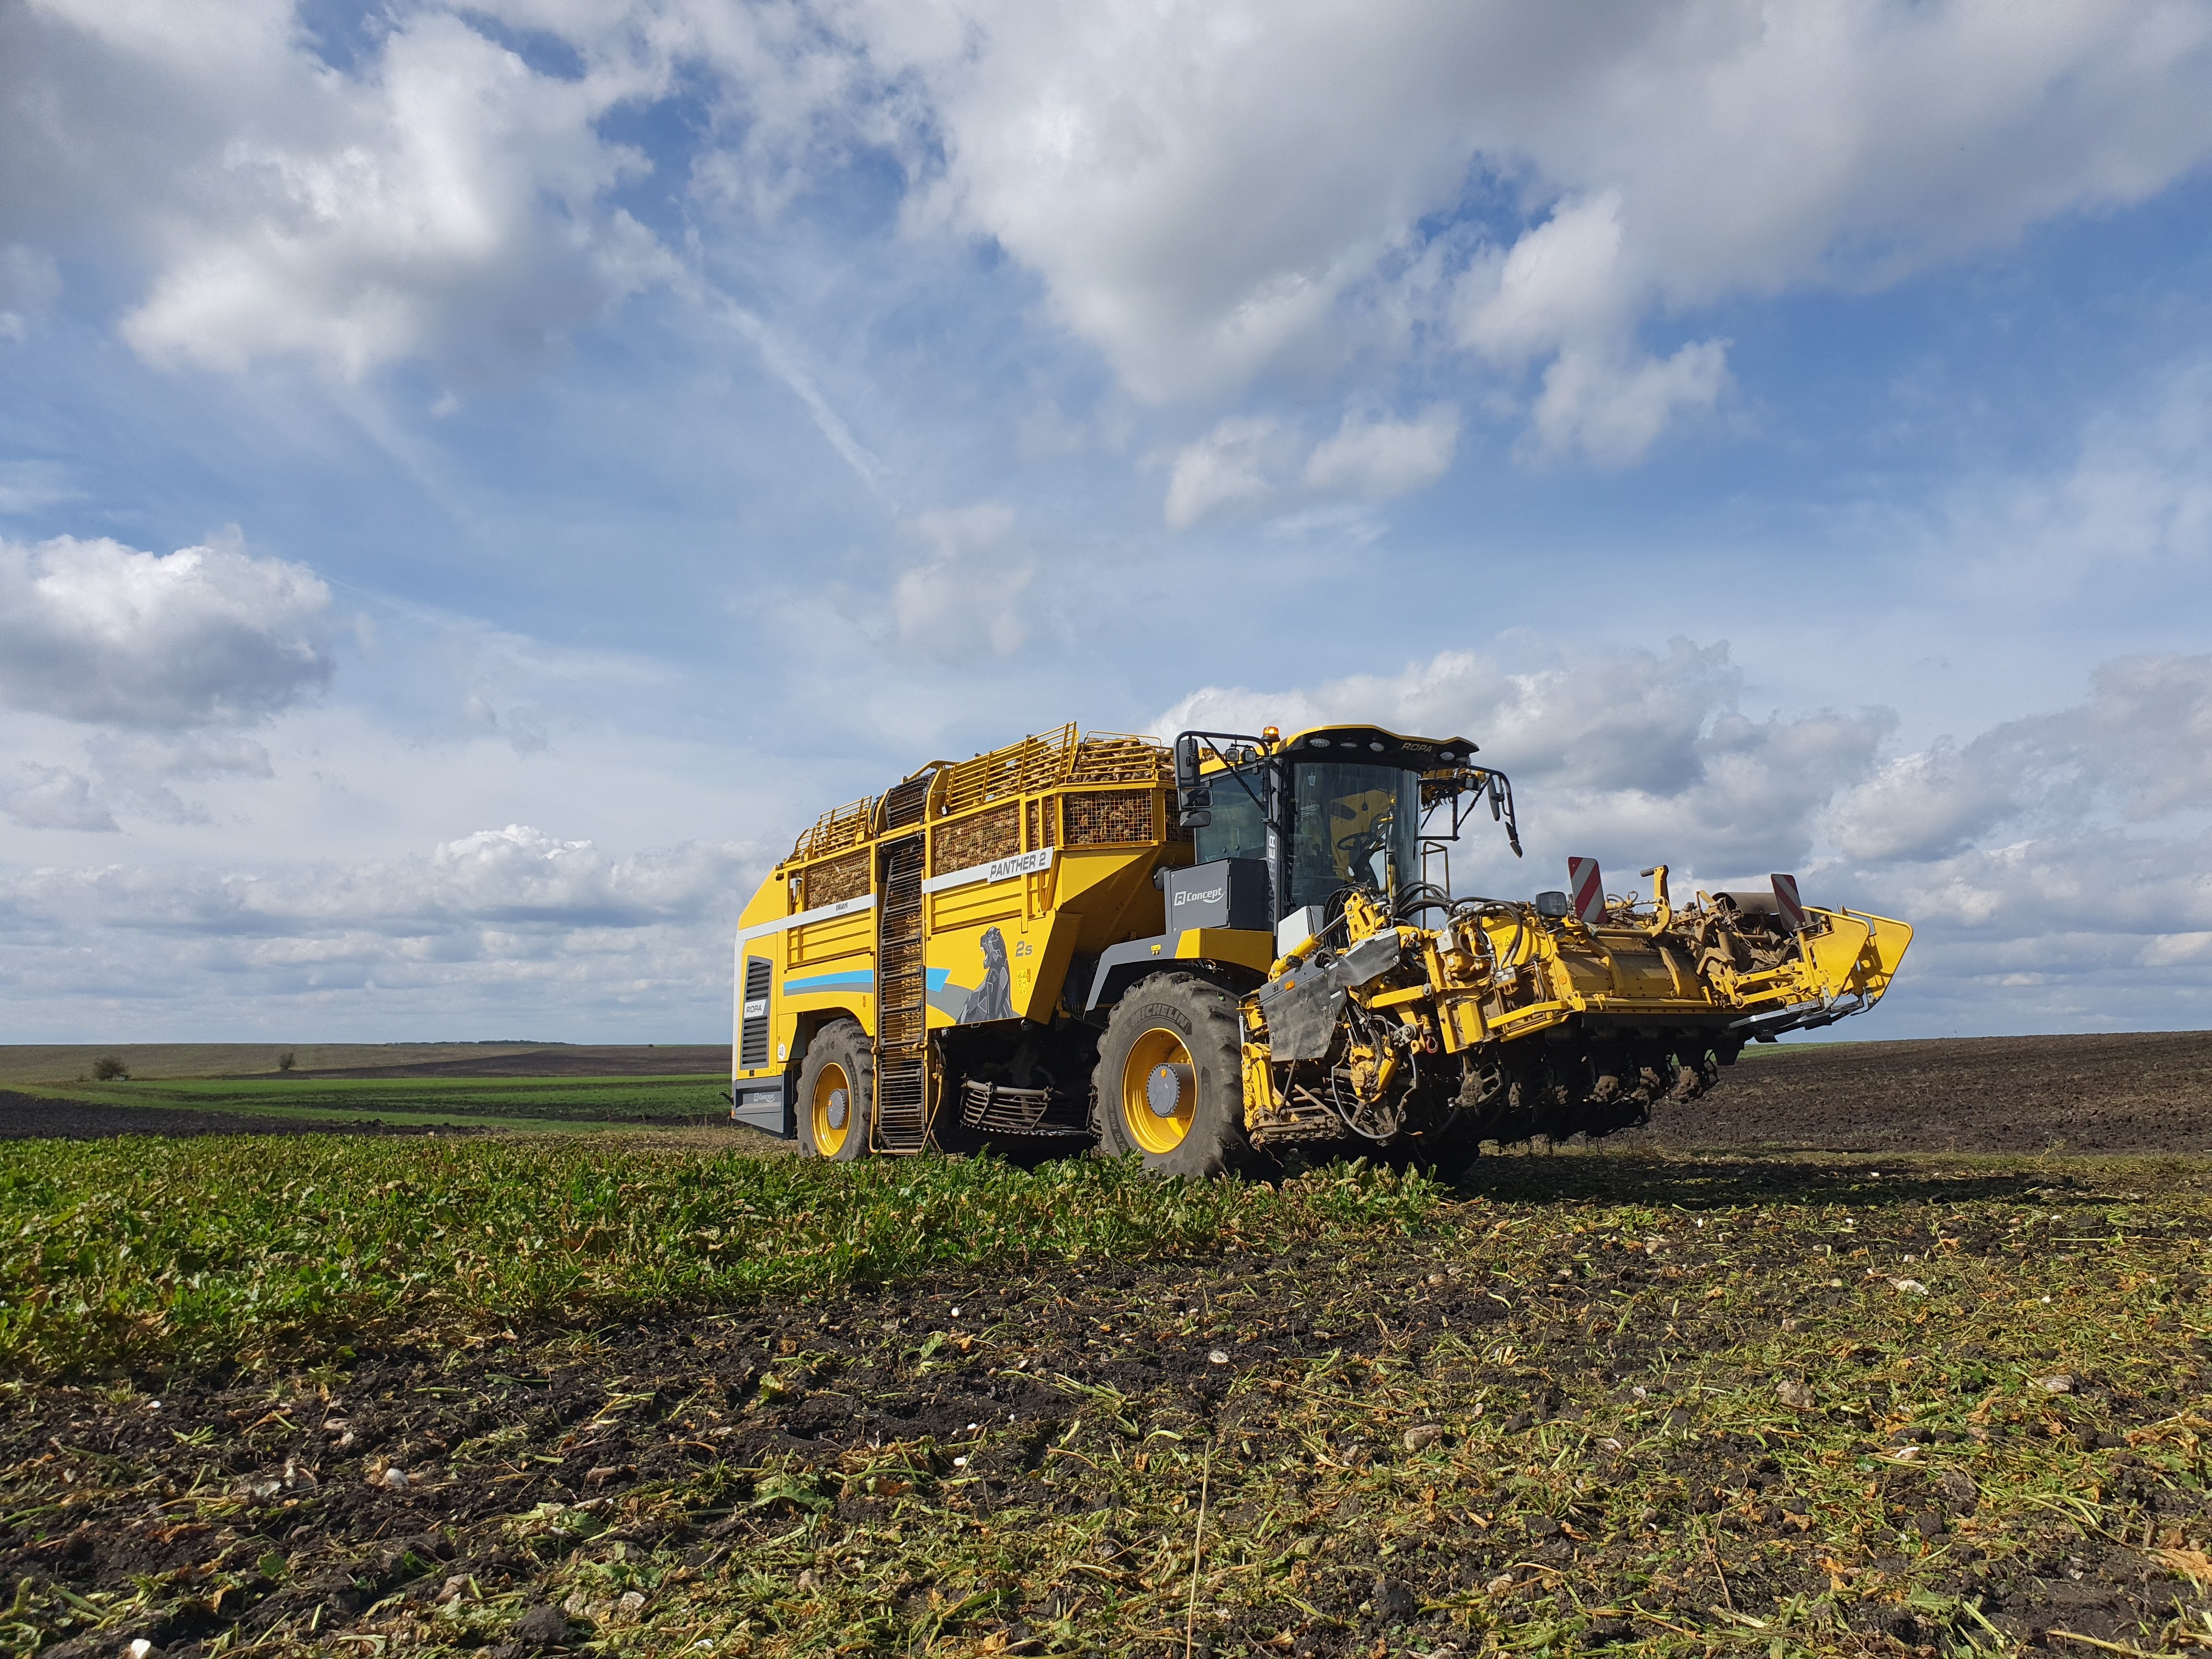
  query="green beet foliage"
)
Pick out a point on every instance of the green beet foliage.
point(140, 1255)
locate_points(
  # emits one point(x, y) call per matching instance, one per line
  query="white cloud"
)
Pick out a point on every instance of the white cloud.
point(2139, 750)
point(53, 798)
point(2088, 928)
point(93, 630)
point(29, 282)
point(1205, 190)
point(27, 486)
point(1613, 406)
point(1244, 463)
point(1563, 280)
point(1629, 755)
point(1632, 744)
point(2057, 868)
point(2135, 500)
point(1382, 458)
point(1565, 292)
point(2057, 865)
point(966, 594)
point(520, 877)
point(443, 199)
point(139, 770)
point(1921, 805)
point(1234, 465)
point(550, 931)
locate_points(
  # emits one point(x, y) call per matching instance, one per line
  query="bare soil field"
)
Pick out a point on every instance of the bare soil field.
point(24, 1063)
point(561, 1060)
point(29, 1117)
point(2123, 1092)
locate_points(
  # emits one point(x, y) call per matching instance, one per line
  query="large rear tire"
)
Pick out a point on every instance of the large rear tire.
point(1170, 1083)
point(838, 1093)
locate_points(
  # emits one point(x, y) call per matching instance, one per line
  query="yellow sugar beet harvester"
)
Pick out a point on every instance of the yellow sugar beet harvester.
point(1221, 954)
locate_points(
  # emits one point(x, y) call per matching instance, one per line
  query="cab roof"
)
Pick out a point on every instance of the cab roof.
point(1373, 745)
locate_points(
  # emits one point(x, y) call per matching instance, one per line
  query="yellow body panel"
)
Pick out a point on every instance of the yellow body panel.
point(1243, 947)
point(1032, 854)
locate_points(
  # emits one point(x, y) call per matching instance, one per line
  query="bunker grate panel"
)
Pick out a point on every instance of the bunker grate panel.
point(1109, 817)
point(836, 881)
point(996, 834)
point(1044, 820)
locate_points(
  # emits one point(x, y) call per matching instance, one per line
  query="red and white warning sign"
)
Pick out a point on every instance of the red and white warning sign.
point(1586, 891)
point(1787, 901)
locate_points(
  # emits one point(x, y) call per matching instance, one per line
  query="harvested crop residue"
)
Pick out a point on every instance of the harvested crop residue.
point(1696, 1405)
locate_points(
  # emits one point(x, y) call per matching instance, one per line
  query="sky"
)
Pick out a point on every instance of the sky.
point(476, 481)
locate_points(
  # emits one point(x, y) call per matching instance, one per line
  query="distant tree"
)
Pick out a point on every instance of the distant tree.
point(284, 1061)
point(108, 1069)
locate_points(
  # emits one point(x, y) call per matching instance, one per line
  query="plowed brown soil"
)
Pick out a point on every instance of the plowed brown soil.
point(2119, 1092)
point(28, 1117)
point(668, 1060)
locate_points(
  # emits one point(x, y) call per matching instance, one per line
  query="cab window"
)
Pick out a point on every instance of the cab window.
point(1239, 829)
point(1353, 826)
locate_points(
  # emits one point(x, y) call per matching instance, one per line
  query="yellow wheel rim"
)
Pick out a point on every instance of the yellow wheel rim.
point(832, 1110)
point(1159, 1073)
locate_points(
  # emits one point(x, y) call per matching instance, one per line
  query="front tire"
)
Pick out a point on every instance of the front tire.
point(837, 1093)
point(1170, 1083)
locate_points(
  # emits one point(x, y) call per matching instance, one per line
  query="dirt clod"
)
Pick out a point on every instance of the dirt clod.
point(1394, 1603)
point(543, 1626)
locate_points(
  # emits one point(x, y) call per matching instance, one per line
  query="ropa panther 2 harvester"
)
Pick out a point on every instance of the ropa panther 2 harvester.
point(1226, 954)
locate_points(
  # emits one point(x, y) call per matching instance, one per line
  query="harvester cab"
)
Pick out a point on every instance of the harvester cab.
point(1236, 951)
point(1332, 812)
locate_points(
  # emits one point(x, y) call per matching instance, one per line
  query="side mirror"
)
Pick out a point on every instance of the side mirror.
point(1193, 796)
